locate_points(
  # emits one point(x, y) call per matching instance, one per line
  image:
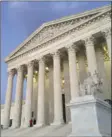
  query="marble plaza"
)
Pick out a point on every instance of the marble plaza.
point(64, 62)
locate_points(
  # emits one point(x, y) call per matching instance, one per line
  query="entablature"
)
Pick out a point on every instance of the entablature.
point(58, 44)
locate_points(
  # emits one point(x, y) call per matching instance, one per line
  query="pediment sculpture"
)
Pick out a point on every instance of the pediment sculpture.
point(91, 85)
point(50, 30)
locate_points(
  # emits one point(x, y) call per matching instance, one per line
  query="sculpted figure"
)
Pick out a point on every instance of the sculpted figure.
point(97, 87)
point(91, 85)
point(82, 90)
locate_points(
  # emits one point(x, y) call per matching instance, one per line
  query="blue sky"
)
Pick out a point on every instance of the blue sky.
point(20, 19)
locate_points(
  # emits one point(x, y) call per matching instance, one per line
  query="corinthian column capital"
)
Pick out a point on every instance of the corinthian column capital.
point(41, 60)
point(107, 32)
point(89, 41)
point(70, 47)
point(30, 64)
point(56, 54)
point(11, 72)
point(20, 68)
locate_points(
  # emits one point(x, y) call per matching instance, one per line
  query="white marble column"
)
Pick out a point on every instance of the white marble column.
point(82, 66)
point(74, 85)
point(41, 94)
point(22, 116)
point(58, 115)
point(8, 99)
point(46, 100)
point(91, 57)
point(29, 91)
point(35, 98)
point(107, 34)
point(67, 89)
point(51, 94)
point(18, 99)
point(102, 73)
point(108, 70)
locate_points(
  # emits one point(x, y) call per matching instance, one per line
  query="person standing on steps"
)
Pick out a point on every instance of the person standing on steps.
point(31, 123)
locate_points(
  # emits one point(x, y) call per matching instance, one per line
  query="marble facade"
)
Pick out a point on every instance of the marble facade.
point(59, 54)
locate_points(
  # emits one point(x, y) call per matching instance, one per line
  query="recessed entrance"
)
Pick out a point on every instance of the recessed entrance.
point(63, 106)
point(10, 123)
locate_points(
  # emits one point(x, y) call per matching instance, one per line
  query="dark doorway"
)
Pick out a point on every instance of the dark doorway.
point(10, 123)
point(34, 122)
point(63, 105)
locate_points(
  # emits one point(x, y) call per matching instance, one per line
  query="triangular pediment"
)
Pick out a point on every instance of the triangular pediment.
point(51, 29)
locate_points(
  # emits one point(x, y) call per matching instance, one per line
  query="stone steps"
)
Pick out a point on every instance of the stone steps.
point(50, 131)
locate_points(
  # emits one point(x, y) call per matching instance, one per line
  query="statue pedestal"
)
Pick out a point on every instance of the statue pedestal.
point(90, 116)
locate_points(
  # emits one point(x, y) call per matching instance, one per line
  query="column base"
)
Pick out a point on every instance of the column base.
point(71, 101)
point(70, 122)
point(11, 127)
point(14, 127)
point(5, 127)
point(89, 116)
point(25, 126)
point(22, 126)
point(39, 125)
point(57, 123)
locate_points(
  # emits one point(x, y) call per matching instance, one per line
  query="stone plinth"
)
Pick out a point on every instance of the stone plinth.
point(90, 117)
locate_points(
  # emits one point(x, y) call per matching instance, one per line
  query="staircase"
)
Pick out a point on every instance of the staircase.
point(47, 131)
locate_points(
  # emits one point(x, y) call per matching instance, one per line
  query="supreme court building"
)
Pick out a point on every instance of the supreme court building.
point(54, 60)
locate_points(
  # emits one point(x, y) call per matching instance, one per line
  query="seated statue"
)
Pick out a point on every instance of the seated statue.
point(91, 85)
point(108, 101)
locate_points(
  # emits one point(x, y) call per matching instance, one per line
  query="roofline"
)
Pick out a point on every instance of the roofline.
point(55, 22)
point(76, 15)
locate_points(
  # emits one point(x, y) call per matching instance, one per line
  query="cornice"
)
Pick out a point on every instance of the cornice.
point(57, 37)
